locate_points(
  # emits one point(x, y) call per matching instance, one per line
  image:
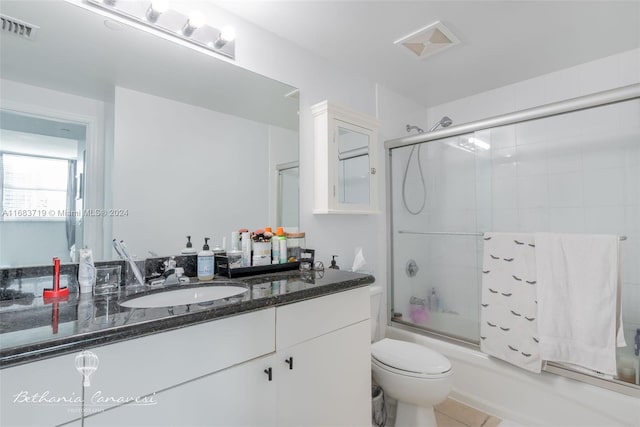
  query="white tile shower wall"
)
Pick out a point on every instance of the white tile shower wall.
point(554, 175)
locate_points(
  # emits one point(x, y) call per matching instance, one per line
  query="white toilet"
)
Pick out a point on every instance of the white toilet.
point(417, 377)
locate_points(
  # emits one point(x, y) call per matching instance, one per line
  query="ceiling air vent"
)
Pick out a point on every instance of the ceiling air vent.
point(18, 27)
point(428, 40)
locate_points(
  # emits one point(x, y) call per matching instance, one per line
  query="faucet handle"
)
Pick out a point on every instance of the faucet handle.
point(171, 265)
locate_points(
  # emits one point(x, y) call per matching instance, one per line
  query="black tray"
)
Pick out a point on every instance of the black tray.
point(224, 270)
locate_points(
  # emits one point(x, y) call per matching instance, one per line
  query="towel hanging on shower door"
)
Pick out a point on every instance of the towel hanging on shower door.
point(579, 320)
point(508, 325)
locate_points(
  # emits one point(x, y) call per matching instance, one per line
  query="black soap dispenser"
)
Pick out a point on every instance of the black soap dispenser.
point(189, 249)
point(333, 263)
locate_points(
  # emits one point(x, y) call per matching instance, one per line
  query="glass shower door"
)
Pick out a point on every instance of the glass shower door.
point(436, 240)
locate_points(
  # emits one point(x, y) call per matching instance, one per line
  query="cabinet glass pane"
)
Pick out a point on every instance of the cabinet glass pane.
point(353, 166)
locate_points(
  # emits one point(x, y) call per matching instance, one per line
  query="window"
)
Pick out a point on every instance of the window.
point(33, 188)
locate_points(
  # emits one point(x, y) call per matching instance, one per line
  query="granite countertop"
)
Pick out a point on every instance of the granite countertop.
point(32, 328)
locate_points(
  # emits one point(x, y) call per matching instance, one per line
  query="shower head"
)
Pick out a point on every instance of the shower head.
point(410, 128)
point(444, 122)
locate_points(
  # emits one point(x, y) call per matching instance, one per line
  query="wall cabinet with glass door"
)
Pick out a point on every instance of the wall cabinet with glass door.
point(345, 160)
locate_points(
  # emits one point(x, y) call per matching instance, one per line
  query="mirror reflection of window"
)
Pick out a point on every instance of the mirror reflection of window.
point(41, 164)
point(353, 166)
point(34, 188)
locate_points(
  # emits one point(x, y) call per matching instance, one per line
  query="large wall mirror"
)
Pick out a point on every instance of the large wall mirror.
point(107, 131)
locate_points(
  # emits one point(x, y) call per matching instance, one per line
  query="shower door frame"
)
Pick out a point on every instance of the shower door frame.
point(598, 99)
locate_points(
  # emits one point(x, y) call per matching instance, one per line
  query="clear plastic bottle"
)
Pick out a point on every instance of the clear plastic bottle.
point(246, 249)
point(295, 245)
point(86, 271)
point(275, 250)
point(434, 301)
point(282, 243)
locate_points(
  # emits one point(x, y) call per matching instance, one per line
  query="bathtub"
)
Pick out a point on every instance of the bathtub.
point(514, 394)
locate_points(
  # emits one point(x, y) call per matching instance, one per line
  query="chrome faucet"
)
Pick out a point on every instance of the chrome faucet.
point(172, 274)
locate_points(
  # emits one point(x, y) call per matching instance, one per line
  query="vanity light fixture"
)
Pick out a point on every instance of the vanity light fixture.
point(156, 14)
point(472, 144)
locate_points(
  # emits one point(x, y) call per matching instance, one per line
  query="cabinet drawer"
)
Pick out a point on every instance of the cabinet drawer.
point(145, 365)
point(46, 392)
point(309, 319)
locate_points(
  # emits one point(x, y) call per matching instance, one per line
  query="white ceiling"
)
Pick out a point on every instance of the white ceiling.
point(502, 41)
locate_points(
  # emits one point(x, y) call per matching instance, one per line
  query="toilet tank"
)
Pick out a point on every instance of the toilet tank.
point(376, 302)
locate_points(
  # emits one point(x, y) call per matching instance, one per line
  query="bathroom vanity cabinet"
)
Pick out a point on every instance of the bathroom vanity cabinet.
point(328, 342)
point(305, 363)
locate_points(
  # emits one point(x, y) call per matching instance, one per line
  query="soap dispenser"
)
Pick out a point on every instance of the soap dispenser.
point(333, 263)
point(205, 262)
point(189, 249)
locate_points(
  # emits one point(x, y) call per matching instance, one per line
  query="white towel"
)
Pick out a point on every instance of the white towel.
point(577, 299)
point(508, 326)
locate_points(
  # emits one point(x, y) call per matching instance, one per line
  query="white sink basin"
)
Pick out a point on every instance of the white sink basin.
point(182, 296)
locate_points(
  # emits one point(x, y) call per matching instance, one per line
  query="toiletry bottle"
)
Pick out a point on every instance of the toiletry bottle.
point(333, 263)
point(86, 271)
point(189, 249)
point(282, 246)
point(205, 262)
point(217, 252)
point(246, 249)
point(295, 244)
point(434, 302)
point(275, 247)
point(235, 241)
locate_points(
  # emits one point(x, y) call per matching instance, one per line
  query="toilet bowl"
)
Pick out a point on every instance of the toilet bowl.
point(417, 377)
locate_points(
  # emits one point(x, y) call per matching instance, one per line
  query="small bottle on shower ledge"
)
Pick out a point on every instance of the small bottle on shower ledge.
point(434, 301)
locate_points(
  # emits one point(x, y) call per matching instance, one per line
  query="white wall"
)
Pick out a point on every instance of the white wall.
point(167, 190)
point(269, 55)
point(606, 73)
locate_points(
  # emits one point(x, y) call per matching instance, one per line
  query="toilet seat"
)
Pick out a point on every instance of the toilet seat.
point(409, 359)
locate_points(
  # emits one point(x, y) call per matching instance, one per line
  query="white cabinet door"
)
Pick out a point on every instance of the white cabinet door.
point(345, 148)
point(47, 392)
point(238, 396)
point(330, 381)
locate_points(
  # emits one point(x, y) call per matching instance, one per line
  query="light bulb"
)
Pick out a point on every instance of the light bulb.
point(157, 8)
point(160, 6)
point(227, 34)
point(196, 19)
